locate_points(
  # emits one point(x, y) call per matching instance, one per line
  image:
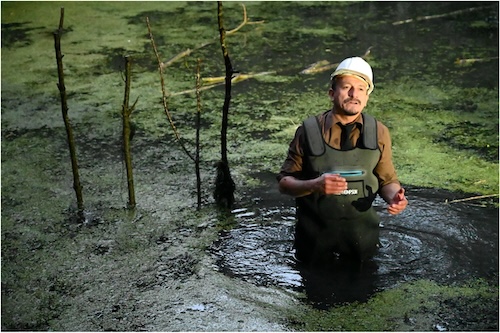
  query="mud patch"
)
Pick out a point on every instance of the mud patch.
point(16, 34)
point(177, 267)
point(115, 60)
point(467, 314)
point(479, 138)
point(43, 132)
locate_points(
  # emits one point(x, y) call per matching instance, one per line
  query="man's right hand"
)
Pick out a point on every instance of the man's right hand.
point(331, 184)
point(324, 184)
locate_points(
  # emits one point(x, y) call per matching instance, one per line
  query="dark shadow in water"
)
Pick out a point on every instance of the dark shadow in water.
point(432, 240)
point(341, 281)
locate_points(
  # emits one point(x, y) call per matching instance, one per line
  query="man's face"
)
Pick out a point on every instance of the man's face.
point(350, 95)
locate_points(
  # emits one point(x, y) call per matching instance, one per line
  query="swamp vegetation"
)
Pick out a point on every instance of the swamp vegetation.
point(436, 88)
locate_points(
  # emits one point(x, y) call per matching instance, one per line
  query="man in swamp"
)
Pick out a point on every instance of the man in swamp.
point(337, 163)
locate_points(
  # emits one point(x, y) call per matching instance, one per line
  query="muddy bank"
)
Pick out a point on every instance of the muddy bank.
point(147, 270)
point(155, 269)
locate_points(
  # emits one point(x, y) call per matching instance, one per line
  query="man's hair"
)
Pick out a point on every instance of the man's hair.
point(333, 82)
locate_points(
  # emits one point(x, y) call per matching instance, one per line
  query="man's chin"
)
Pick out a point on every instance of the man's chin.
point(352, 112)
point(352, 108)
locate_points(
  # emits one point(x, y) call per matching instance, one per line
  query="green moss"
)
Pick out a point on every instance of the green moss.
point(427, 151)
point(397, 309)
point(433, 130)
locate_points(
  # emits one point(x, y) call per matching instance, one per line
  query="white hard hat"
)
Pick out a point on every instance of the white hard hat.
point(356, 66)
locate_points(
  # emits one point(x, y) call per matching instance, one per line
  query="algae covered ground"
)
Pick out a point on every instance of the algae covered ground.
point(149, 269)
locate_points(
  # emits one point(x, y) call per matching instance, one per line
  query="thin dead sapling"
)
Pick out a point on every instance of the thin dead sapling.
point(224, 184)
point(198, 126)
point(64, 108)
point(127, 132)
point(168, 114)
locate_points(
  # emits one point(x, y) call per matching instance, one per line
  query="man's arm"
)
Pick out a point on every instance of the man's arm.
point(394, 195)
point(391, 192)
point(324, 184)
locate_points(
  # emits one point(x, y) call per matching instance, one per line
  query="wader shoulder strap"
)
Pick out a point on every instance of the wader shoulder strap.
point(316, 143)
point(370, 140)
point(314, 136)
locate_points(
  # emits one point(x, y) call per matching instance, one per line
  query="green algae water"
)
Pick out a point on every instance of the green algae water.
point(436, 88)
point(436, 77)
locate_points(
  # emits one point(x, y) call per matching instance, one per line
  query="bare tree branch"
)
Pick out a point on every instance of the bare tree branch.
point(473, 60)
point(189, 51)
point(198, 125)
point(430, 17)
point(64, 108)
point(325, 65)
point(220, 80)
point(243, 23)
point(224, 184)
point(473, 198)
point(126, 112)
point(164, 93)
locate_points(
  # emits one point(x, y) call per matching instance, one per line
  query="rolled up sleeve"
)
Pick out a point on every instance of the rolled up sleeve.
point(292, 166)
point(385, 170)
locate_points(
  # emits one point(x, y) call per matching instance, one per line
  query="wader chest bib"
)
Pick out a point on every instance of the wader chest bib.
point(346, 223)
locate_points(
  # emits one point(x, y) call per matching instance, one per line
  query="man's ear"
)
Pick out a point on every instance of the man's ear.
point(330, 93)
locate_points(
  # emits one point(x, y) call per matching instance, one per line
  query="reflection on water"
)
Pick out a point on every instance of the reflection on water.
point(430, 240)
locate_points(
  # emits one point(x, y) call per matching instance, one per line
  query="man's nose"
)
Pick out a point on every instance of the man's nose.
point(353, 92)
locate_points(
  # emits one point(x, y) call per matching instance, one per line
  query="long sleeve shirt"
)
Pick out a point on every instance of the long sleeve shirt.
point(332, 131)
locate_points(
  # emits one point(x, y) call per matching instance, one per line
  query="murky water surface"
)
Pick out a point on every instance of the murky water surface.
point(431, 240)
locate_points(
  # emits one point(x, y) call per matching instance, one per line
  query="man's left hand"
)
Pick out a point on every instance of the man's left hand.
point(398, 203)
